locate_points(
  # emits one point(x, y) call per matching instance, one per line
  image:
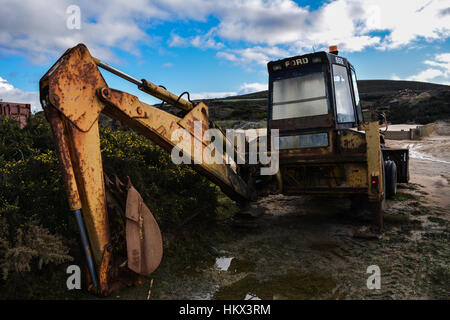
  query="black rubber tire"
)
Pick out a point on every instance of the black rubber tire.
point(391, 179)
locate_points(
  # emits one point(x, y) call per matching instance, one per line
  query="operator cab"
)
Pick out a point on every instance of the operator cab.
point(311, 95)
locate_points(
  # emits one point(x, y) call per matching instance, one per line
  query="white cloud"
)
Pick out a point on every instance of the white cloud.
point(259, 55)
point(410, 20)
point(205, 41)
point(211, 95)
point(227, 56)
point(243, 89)
point(348, 23)
point(441, 61)
point(438, 72)
point(177, 41)
point(426, 75)
point(8, 93)
point(252, 87)
point(353, 25)
point(37, 29)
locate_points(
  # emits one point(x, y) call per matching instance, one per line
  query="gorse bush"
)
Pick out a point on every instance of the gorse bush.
point(174, 193)
point(36, 227)
point(34, 231)
point(30, 182)
point(31, 243)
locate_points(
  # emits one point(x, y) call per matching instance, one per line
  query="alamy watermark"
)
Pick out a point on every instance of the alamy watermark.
point(74, 280)
point(374, 280)
point(73, 21)
point(210, 147)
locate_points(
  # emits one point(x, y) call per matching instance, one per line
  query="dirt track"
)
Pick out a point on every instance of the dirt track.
point(304, 248)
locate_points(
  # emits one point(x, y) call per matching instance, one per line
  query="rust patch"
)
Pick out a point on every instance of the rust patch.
point(72, 82)
point(161, 130)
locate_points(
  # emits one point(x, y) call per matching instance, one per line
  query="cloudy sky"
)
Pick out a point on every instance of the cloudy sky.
point(215, 48)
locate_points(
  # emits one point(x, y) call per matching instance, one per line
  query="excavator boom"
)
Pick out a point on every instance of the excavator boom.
point(73, 94)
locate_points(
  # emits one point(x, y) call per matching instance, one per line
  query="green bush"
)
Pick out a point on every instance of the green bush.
point(173, 193)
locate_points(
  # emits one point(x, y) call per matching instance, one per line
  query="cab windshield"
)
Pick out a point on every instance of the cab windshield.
point(299, 96)
point(344, 102)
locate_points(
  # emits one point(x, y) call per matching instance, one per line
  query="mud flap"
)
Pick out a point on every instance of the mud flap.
point(143, 237)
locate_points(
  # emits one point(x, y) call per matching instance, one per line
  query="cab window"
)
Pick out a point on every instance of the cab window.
point(344, 102)
point(356, 93)
point(300, 96)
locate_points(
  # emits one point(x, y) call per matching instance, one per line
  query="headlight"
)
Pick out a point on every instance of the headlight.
point(276, 67)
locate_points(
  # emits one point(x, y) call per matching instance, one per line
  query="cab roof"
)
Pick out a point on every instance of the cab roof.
point(301, 61)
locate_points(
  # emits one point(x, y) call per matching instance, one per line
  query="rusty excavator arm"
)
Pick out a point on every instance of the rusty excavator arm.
point(73, 94)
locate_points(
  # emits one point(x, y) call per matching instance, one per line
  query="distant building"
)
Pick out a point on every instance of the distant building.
point(18, 111)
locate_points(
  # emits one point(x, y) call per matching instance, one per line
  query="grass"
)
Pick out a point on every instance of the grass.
point(400, 196)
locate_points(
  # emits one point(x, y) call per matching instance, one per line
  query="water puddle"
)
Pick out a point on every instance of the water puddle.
point(234, 265)
point(294, 285)
point(223, 263)
point(251, 297)
point(416, 154)
point(426, 225)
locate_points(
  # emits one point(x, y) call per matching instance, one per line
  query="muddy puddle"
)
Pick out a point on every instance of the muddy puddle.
point(249, 285)
point(234, 265)
point(294, 285)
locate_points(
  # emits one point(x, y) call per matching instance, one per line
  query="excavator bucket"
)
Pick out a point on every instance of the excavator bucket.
point(142, 234)
point(144, 241)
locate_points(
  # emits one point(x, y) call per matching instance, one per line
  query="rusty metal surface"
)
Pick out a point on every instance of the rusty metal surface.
point(374, 160)
point(350, 141)
point(166, 96)
point(144, 240)
point(306, 153)
point(87, 165)
point(322, 159)
point(158, 126)
point(342, 167)
point(105, 271)
point(377, 215)
point(356, 175)
point(112, 275)
point(331, 174)
point(59, 136)
point(71, 84)
point(199, 114)
point(80, 161)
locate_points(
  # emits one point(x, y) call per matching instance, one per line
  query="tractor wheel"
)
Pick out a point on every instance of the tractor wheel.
point(391, 179)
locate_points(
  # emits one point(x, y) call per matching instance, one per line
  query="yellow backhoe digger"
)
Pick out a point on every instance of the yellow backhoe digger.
point(324, 147)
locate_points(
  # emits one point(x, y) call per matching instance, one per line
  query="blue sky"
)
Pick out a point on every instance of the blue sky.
point(215, 48)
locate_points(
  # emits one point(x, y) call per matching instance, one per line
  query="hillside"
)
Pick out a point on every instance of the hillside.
point(406, 101)
point(402, 101)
